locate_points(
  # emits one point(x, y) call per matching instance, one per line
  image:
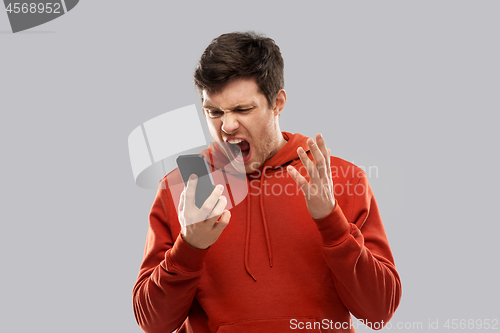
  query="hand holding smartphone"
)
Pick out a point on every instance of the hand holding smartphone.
point(200, 235)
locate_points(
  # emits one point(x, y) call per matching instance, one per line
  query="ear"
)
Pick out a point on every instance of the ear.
point(279, 103)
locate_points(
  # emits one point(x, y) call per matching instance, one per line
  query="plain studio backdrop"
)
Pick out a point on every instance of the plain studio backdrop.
point(408, 88)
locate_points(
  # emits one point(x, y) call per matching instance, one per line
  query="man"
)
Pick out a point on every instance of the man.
point(305, 248)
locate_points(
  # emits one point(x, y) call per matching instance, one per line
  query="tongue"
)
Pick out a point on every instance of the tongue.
point(244, 145)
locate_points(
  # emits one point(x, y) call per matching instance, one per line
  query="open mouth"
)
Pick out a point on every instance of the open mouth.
point(238, 145)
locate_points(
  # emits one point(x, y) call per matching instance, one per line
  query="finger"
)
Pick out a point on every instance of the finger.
point(312, 172)
point(328, 163)
point(297, 177)
point(211, 201)
point(191, 190)
point(223, 221)
point(319, 158)
point(181, 202)
point(325, 151)
point(219, 207)
point(180, 212)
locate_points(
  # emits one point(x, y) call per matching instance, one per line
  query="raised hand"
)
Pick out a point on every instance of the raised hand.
point(318, 191)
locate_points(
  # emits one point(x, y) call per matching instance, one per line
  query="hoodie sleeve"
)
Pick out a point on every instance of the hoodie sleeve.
point(358, 254)
point(170, 271)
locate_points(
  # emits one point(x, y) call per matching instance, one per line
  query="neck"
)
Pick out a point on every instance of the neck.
point(280, 143)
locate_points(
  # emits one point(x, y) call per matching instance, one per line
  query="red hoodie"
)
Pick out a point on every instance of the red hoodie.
point(274, 268)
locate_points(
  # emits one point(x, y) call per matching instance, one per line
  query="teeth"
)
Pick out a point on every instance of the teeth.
point(235, 141)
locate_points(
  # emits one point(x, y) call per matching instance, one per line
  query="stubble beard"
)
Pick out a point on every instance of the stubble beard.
point(268, 149)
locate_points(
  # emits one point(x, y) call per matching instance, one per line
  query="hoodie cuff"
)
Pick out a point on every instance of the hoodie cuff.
point(334, 228)
point(186, 258)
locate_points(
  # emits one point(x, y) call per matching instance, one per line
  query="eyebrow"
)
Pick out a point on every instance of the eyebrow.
point(237, 106)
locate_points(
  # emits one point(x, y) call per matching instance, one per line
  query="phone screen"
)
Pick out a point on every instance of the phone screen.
point(196, 164)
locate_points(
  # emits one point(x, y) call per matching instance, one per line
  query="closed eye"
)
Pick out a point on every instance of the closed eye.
point(214, 114)
point(243, 110)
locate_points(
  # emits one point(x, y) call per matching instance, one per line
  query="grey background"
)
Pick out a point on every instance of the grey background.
point(410, 87)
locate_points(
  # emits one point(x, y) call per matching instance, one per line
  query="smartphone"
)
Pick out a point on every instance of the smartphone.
point(196, 163)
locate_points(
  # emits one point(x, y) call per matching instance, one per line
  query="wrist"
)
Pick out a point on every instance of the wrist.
point(194, 243)
point(334, 227)
point(328, 209)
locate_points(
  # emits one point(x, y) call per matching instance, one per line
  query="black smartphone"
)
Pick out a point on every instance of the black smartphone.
point(196, 163)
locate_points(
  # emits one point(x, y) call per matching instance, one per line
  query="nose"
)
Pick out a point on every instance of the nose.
point(230, 123)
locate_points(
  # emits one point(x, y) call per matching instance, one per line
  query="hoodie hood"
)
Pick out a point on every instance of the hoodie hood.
point(288, 153)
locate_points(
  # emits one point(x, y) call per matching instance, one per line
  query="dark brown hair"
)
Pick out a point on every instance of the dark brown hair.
point(241, 55)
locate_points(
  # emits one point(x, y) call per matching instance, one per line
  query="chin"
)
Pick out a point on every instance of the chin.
point(244, 168)
point(251, 167)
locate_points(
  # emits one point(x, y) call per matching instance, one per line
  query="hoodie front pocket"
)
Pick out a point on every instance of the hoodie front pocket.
point(277, 325)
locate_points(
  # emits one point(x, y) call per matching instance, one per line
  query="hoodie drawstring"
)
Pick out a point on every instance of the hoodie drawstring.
point(264, 221)
point(266, 230)
point(247, 238)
